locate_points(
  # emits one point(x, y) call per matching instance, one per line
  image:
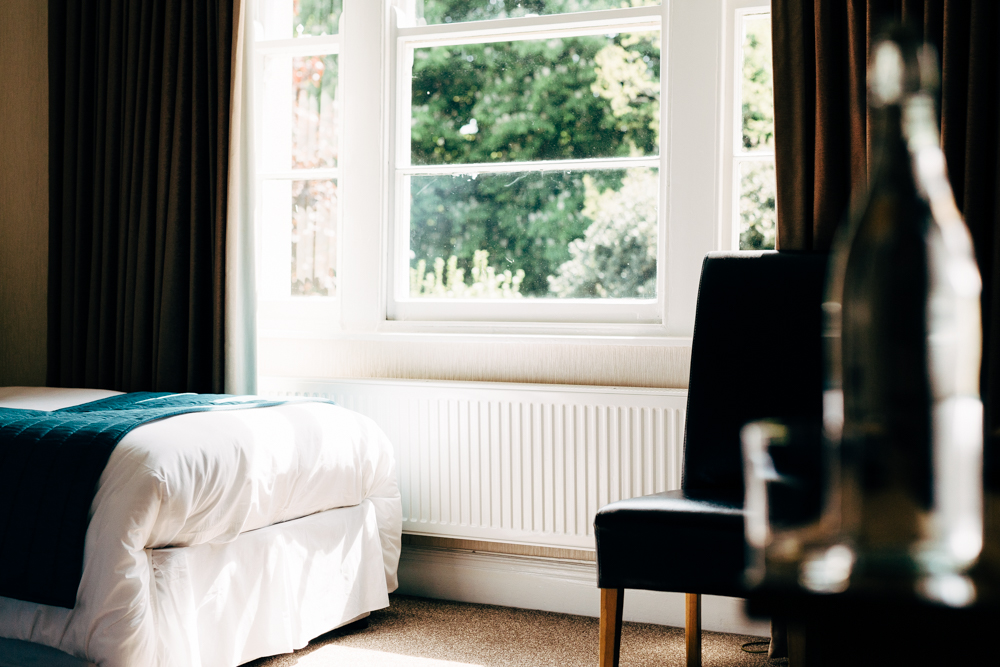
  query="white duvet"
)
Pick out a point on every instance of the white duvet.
point(204, 479)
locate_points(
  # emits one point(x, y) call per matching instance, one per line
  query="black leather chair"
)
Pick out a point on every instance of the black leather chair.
point(756, 353)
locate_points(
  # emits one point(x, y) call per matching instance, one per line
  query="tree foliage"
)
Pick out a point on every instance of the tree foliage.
point(448, 11)
point(573, 97)
point(316, 17)
point(617, 255)
point(758, 219)
point(758, 102)
point(758, 194)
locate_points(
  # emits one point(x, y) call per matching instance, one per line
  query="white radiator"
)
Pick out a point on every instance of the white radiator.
point(513, 462)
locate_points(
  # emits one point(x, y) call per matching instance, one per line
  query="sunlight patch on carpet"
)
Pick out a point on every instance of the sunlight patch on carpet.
point(331, 655)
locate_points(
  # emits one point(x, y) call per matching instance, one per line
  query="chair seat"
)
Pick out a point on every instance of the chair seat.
point(672, 541)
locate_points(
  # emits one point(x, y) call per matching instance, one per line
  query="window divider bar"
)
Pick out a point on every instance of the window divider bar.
point(523, 36)
point(757, 156)
point(299, 46)
point(582, 164)
point(527, 27)
point(300, 174)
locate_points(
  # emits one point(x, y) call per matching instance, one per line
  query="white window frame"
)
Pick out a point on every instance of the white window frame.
point(400, 306)
point(731, 156)
point(275, 303)
point(692, 94)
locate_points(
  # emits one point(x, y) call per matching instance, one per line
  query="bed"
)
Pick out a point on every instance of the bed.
point(216, 538)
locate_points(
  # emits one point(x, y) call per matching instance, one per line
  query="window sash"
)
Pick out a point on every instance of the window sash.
point(732, 155)
point(275, 300)
point(399, 305)
point(529, 27)
point(582, 164)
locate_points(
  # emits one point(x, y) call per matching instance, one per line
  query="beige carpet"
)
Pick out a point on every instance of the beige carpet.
point(417, 632)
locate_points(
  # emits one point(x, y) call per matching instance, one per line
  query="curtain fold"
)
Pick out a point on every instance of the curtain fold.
point(140, 94)
point(240, 286)
point(823, 143)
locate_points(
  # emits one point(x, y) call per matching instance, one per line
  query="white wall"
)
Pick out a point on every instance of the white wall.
point(24, 190)
point(546, 360)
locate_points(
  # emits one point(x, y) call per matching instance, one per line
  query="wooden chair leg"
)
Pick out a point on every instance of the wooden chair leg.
point(798, 655)
point(778, 648)
point(692, 628)
point(612, 601)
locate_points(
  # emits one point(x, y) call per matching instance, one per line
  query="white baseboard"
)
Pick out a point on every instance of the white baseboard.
point(552, 584)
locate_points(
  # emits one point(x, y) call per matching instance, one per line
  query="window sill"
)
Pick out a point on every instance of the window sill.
point(552, 358)
point(648, 335)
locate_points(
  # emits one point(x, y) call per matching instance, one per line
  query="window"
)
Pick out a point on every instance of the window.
point(752, 213)
point(527, 167)
point(516, 167)
point(298, 139)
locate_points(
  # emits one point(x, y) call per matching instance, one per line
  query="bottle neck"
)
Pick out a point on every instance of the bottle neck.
point(890, 151)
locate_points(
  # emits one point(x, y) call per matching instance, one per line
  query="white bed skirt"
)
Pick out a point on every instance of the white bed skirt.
point(270, 591)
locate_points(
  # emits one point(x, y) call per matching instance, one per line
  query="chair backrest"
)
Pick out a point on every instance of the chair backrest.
point(756, 354)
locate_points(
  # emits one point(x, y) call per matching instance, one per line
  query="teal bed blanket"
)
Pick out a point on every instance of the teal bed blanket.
point(50, 463)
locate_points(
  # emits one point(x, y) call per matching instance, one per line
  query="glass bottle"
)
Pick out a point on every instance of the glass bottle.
point(902, 413)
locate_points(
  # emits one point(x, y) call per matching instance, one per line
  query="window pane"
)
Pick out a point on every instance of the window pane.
point(316, 114)
point(284, 19)
point(757, 93)
point(560, 98)
point(453, 11)
point(758, 214)
point(568, 234)
point(314, 238)
point(301, 112)
point(277, 112)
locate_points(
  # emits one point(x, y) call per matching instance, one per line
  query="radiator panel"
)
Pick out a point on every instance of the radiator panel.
point(515, 463)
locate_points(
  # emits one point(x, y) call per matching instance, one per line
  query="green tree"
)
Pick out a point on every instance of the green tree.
point(316, 17)
point(758, 195)
point(617, 255)
point(448, 11)
point(758, 221)
point(591, 96)
point(758, 100)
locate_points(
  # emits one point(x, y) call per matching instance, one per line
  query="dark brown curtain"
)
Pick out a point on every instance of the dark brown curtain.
point(139, 145)
point(823, 146)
